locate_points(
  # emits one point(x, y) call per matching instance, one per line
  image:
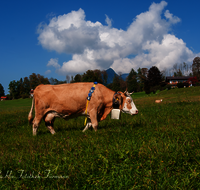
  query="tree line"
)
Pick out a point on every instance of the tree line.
point(22, 87)
point(141, 80)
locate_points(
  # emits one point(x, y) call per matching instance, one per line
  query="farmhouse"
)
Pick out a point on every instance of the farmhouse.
point(175, 80)
point(3, 98)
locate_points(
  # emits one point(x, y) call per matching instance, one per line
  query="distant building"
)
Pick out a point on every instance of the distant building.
point(175, 80)
point(3, 98)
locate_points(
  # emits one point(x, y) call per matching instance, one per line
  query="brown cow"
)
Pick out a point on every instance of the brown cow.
point(69, 100)
point(158, 101)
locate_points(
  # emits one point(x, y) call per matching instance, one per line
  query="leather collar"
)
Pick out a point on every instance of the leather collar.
point(116, 101)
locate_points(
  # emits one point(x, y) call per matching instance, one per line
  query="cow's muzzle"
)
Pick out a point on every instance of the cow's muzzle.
point(136, 112)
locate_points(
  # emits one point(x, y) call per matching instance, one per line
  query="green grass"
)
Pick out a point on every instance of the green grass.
point(20, 104)
point(157, 149)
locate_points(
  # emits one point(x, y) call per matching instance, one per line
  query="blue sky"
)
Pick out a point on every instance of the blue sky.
point(59, 38)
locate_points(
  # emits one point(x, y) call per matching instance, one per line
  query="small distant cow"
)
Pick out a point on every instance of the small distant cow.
point(158, 101)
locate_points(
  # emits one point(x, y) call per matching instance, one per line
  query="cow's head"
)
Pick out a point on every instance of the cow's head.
point(126, 103)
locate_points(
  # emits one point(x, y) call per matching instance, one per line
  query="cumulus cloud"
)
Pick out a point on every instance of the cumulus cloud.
point(108, 21)
point(53, 62)
point(146, 42)
point(47, 72)
point(173, 19)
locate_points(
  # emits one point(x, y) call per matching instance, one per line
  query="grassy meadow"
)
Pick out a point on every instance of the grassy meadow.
point(157, 149)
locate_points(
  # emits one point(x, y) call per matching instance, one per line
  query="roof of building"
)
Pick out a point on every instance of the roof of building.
point(177, 78)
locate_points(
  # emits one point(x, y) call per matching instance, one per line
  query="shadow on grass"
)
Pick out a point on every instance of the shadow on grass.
point(120, 124)
point(104, 125)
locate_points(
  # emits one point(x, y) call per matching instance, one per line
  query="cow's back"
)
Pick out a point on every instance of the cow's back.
point(68, 98)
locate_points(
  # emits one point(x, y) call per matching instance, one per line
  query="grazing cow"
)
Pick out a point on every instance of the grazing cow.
point(158, 101)
point(69, 100)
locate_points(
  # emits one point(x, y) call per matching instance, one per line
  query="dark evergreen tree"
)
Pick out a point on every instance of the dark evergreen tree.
point(42, 80)
point(196, 67)
point(21, 87)
point(36, 80)
point(88, 76)
point(14, 91)
point(141, 78)
point(77, 78)
point(2, 93)
point(26, 86)
point(116, 83)
point(132, 83)
point(92, 76)
point(154, 79)
point(104, 77)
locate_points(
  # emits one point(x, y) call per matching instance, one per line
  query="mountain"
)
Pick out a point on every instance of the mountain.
point(124, 76)
point(111, 74)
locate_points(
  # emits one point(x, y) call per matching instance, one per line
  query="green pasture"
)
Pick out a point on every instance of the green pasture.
point(157, 149)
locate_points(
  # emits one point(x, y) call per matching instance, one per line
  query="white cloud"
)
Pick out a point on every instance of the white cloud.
point(162, 54)
point(47, 72)
point(53, 62)
point(173, 19)
point(97, 46)
point(108, 21)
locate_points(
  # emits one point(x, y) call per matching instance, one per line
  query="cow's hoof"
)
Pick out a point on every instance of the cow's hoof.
point(53, 132)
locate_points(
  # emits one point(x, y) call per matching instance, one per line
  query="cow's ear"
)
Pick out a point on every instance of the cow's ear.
point(126, 93)
point(118, 100)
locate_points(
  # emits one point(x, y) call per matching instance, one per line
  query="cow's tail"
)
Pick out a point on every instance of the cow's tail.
point(30, 115)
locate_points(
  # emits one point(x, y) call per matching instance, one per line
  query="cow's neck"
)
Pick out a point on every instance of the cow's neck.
point(109, 99)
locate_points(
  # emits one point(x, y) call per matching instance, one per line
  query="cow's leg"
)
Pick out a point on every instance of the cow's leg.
point(39, 114)
point(49, 125)
point(89, 124)
point(49, 120)
point(36, 123)
point(93, 118)
point(35, 127)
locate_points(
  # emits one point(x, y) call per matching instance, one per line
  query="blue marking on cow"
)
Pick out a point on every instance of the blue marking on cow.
point(91, 91)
